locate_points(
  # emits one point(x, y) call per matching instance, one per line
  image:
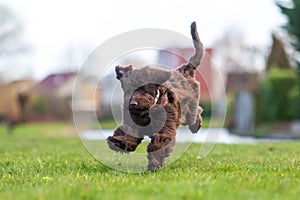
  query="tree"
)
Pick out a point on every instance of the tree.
point(11, 45)
point(10, 30)
point(291, 10)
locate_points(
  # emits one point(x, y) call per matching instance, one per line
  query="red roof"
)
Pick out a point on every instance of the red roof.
point(55, 81)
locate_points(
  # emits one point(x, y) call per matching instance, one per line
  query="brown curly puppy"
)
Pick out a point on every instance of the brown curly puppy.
point(156, 102)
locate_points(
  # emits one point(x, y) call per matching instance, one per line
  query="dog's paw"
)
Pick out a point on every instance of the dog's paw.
point(115, 142)
point(123, 144)
point(153, 168)
point(116, 145)
point(195, 127)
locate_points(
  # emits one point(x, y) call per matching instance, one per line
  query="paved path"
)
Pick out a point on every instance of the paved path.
point(211, 135)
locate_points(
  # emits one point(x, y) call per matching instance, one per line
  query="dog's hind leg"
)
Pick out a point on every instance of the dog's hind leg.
point(125, 139)
point(198, 124)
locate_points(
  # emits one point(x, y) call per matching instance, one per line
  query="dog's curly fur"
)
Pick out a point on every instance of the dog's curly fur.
point(156, 102)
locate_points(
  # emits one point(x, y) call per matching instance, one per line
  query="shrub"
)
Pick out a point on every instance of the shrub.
point(40, 104)
point(294, 96)
point(277, 95)
point(50, 106)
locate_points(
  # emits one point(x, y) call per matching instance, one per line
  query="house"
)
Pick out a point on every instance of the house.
point(54, 82)
point(208, 76)
point(241, 86)
point(240, 80)
point(111, 97)
point(55, 96)
point(52, 97)
point(14, 100)
point(49, 99)
point(86, 94)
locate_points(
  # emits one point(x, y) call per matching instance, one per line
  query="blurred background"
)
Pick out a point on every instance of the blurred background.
point(253, 45)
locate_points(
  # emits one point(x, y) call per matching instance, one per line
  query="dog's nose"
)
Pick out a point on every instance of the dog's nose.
point(133, 103)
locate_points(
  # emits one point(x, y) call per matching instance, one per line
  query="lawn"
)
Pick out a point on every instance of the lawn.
point(48, 161)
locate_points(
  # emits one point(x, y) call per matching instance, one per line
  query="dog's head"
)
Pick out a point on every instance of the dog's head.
point(141, 95)
point(148, 100)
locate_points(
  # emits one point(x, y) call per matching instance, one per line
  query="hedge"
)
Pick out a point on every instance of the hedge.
point(278, 96)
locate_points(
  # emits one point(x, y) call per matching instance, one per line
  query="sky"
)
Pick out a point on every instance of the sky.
point(54, 27)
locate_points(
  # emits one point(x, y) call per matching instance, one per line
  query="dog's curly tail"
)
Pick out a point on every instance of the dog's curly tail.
point(196, 58)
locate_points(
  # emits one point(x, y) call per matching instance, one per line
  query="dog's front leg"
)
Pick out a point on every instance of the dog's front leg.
point(161, 147)
point(125, 139)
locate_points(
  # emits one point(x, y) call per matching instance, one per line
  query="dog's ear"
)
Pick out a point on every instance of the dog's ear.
point(120, 71)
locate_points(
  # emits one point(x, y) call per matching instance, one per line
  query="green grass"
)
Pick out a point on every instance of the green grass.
point(48, 161)
point(107, 124)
